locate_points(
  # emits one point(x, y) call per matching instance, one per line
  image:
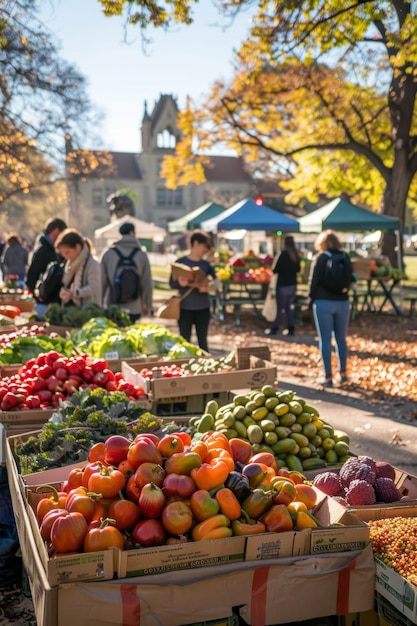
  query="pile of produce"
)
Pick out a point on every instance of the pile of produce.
point(278, 422)
point(45, 381)
point(155, 491)
point(361, 481)
point(393, 542)
point(75, 316)
point(28, 342)
point(87, 417)
point(193, 367)
point(100, 337)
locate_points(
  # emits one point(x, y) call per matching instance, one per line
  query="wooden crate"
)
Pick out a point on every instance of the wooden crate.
point(243, 355)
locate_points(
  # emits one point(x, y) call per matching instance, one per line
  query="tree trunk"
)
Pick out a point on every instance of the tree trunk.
point(395, 197)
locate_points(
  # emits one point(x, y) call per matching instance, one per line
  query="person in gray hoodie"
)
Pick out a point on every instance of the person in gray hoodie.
point(142, 305)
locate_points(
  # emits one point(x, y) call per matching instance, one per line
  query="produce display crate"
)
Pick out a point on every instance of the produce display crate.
point(243, 355)
point(259, 373)
point(187, 405)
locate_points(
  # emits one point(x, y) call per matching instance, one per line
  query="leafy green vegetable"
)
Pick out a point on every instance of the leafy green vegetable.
point(22, 349)
point(113, 340)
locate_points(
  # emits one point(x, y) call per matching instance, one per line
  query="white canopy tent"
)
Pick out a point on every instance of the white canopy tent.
point(107, 235)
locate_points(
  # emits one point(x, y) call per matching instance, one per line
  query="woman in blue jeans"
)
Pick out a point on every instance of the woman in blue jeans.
point(331, 307)
point(287, 267)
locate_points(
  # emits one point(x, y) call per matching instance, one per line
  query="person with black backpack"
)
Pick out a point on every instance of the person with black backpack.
point(331, 275)
point(43, 254)
point(126, 275)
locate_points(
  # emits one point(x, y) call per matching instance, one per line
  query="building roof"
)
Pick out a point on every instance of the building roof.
point(125, 165)
point(226, 168)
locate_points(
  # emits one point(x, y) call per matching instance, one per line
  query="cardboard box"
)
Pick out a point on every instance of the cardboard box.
point(260, 373)
point(351, 535)
point(28, 417)
point(397, 590)
point(265, 593)
point(63, 568)
point(188, 555)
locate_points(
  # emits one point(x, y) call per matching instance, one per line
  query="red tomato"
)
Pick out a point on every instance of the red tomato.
point(151, 501)
point(149, 473)
point(96, 452)
point(178, 485)
point(126, 468)
point(47, 522)
point(148, 532)
point(108, 482)
point(170, 444)
point(125, 513)
point(177, 518)
point(132, 490)
point(116, 448)
point(102, 538)
point(150, 436)
point(68, 532)
point(91, 468)
point(75, 478)
point(82, 504)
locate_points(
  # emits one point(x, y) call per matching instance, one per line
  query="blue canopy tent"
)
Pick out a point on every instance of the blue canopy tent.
point(247, 215)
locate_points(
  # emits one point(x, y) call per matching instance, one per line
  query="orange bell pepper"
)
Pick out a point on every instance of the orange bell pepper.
point(220, 453)
point(269, 473)
point(217, 440)
point(242, 527)
point(229, 504)
point(215, 527)
point(201, 448)
point(210, 475)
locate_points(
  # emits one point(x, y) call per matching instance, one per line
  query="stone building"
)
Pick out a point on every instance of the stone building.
point(227, 180)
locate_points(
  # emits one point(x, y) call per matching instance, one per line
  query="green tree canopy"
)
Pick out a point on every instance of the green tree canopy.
point(323, 94)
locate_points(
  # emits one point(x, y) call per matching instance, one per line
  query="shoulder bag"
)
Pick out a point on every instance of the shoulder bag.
point(172, 308)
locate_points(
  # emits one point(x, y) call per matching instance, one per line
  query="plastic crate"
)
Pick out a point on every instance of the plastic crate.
point(243, 355)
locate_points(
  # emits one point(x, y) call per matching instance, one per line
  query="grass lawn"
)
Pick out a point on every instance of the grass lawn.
point(410, 263)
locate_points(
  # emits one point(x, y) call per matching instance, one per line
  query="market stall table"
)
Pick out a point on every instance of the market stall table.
point(237, 294)
point(375, 294)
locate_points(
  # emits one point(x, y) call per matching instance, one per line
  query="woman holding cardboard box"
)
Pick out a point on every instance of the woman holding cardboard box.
point(195, 306)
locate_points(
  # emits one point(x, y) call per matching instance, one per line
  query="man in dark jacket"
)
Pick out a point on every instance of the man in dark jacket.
point(43, 254)
point(142, 305)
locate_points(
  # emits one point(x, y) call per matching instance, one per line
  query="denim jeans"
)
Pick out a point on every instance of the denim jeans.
point(285, 297)
point(332, 318)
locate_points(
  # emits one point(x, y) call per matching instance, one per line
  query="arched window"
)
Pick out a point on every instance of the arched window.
point(166, 139)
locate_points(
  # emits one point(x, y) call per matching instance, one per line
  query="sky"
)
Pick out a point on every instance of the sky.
point(122, 76)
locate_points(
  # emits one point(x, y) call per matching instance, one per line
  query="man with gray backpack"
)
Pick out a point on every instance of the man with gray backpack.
point(126, 275)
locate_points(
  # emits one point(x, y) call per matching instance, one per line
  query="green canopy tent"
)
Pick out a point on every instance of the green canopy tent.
point(193, 220)
point(342, 215)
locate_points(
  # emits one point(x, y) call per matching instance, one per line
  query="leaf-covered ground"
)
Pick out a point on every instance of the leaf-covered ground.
point(382, 365)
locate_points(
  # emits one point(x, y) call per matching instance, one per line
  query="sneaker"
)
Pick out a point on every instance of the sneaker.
point(326, 383)
point(270, 332)
point(343, 379)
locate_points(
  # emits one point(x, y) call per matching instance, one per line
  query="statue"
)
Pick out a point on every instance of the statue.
point(120, 205)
